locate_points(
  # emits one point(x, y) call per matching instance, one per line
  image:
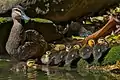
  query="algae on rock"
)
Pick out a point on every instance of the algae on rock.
point(112, 56)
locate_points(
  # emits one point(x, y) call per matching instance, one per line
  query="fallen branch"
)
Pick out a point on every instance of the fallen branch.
point(105, 30)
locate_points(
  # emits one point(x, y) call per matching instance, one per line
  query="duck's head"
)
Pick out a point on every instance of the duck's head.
point(18, 13)
point(30, 63)
point(91, 42)
point(102, 41)
point(46, 57)
point(68, 47)
point(76, 46)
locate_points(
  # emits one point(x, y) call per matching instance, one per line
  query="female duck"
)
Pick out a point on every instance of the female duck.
point(22, 44)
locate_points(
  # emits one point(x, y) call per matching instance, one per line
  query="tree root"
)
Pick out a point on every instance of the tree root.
point(105, 30)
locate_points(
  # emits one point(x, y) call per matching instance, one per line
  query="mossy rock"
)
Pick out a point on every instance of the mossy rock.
point(5, 19)
point(112, 56)
point(82, 64)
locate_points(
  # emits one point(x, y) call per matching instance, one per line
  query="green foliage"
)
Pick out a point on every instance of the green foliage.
point(41, 20)
point(112, 56)
point(113, 40)
point(77, 37)
point(3, 20)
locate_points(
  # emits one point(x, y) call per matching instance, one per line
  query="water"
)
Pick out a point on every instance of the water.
point(48, 73)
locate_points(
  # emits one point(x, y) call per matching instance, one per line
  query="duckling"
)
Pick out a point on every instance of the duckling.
point(45, 59)
point(54, 54)
point(72, 54)
point(22, 44)
point(96, 49)
point(50, 56)
point(31, 64)
point(99, 48)
point(60, 57)
point(87, 49)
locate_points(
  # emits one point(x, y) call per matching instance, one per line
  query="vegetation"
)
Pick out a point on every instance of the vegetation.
point(112, 56)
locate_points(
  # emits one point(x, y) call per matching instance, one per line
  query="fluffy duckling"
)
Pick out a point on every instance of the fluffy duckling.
point(45, 59)
point(87, 49)
point(100, 47)
point(60, 57)
point(31, 64)
point(50, 56)
point(72, 54)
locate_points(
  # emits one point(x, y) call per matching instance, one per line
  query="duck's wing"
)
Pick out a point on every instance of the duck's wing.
point(28, 50)
point(33, 35)
point(34, 45)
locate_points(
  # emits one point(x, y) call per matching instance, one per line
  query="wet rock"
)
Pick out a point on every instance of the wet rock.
point(67, 9)
point(82, 64)
point(48, 30)
point(4, 31)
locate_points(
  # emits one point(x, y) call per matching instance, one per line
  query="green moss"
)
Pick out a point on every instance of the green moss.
point(112, 56)
point(77, 37)
point(2, 20)
point(41, 20)
point(82, 64)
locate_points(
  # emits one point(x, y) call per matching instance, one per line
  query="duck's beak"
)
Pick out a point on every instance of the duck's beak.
point(24, 16)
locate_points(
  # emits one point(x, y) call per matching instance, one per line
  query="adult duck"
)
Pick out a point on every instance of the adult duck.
point(22, 44)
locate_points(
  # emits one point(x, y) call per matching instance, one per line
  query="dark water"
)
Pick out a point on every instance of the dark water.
point(46, 73)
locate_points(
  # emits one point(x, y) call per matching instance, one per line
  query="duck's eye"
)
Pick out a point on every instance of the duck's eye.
point(18, 10)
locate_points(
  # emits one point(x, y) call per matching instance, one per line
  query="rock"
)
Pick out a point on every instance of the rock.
point(4, 31)
point(48, 30)
point(67, 9)
point(82, 64)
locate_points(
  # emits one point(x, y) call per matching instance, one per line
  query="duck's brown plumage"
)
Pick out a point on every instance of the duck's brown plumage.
point(22, 44)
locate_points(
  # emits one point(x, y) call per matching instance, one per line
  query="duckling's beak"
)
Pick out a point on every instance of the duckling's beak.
point(24, 16)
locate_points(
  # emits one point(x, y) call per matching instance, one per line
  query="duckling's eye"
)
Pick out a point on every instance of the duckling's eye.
point(61, 57)
point(99, 50)
point(87, 49)
point(72, 55)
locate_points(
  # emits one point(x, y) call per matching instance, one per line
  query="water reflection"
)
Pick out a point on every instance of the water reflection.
point(53, 73)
